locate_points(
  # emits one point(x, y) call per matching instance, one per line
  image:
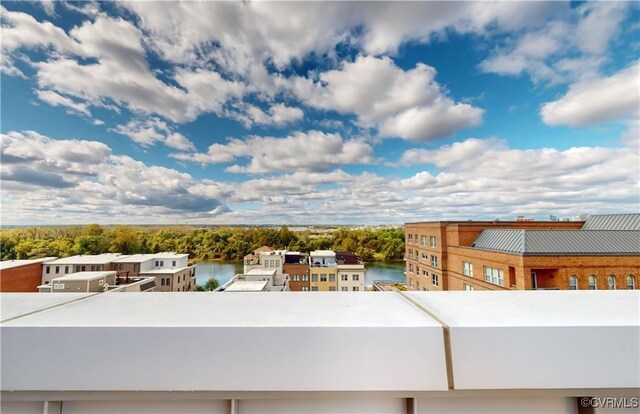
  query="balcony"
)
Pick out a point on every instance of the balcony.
point(460, 351)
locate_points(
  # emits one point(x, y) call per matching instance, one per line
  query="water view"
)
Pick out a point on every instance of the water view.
point(225, 270)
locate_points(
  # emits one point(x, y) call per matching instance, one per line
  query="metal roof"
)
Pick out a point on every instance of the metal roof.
point(560, 242)
point(613, 222)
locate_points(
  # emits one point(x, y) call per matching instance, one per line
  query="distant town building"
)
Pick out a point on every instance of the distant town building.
point(170, 270)
point(602, 252)
point(320, 270)
point(22, 275)
point(257, 280)
point(103, 281)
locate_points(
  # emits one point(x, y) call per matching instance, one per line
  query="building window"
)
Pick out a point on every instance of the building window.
point(467, 287)
point(332, 288)
point(173, 263)
point(410, 254)
point(417, 285)
point(66, 269)
point(162, 281)
point(593, 282)
point(82, 268)
point(57, 269)
point(344, 289)
point(495, 276)
point(296, 278)
point(277, 263)
point(611, 282)
point(425, 256)
point(573, 282)
point(305, 289)
point(631, 282)
point(418, 270)
point(425, 273)
point(332, 277)
point(415, 238)
point(136, 267)
point(356, 288)
point(314, 277)
point(314, 288)
point(344, 278)
point(467, 268)
point(323, 278)
point(157, 263)
point(434, 261)
point(432, 241)
point(410, 268)
point(434, 279)
point(101, 282)
point(423, 241)
point(409, 238)
point(356, 278)
point(48, 270)
point(305, 278)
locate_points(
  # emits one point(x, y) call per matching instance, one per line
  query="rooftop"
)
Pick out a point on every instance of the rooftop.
point(560, 242)
point(612, 222)
point(247, 286)
point(10, 264)
point(87, 259)
point(136, 258)
point(249, 332)
point(84, 276)
point(325, 253)
point(261, 272)
point(163, 271)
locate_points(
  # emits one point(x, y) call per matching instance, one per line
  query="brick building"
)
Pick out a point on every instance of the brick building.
point(602, 252)
point(22, 275)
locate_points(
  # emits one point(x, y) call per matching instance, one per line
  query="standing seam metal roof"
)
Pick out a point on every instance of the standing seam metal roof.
point(530, 242)
point(612, 222)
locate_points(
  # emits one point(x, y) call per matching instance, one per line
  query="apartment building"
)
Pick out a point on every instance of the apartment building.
point(602, 252)
point(335, 271)
point(296, 265)
point(257, 280)
point(170, 269)
point(93, 282)
point(22, 275)
point(252, 260)
point(79, 263)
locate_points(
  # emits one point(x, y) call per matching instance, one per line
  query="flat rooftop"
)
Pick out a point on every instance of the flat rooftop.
point(87, 259)
point(16, 304)
point(84, 276)
point(247, 286)
point(323, 253)
point(163, 271)
point(10, 264)
point(261, 272)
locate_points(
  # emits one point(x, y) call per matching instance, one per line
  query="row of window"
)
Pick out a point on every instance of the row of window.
point(332, 277)
point(435, 279)
point(272, 263)
point(160, 263)
point(592, 281)
point(433, 241)
point(331, 289)
point(82, 268)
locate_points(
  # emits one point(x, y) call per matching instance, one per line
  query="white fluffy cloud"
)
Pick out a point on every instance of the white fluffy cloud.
point(301, 151)
point(152, 130)
point(563, 50)
point(55, 99)
point(65, 177)
point(593, 101)
point(407, 104)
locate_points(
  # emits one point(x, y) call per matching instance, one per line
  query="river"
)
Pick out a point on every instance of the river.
point(225, 270)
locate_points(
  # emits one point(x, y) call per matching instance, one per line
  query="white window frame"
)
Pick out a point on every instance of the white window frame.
point(574, 285)
point(611, 286)
point(467, 269)
point(595, 282)
point(434, 261)
point(632, 279)
point(433, 241)
point(435, 280)
point(493, 275)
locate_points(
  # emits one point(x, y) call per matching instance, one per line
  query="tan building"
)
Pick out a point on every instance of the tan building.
point(601, 253)
point(22, 275)
point(170, 269)
point(350, 277)
point(95, 282)
point(79, 263)
point(252, 260)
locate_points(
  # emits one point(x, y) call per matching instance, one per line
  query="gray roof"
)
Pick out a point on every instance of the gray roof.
point(612, 222)
point(560, 242)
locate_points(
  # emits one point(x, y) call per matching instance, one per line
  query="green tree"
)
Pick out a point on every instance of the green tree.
point(212, 284)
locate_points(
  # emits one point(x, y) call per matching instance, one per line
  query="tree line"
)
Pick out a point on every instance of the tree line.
point(226, 243)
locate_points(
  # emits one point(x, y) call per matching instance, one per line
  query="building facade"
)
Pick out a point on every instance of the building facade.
point(22, 275)
point(170, 270)
point(601, 253)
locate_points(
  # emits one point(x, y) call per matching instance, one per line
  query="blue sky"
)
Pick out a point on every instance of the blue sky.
point(135, 112)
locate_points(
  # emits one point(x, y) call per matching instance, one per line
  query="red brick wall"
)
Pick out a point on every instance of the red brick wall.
point(21, 279)
point(296, 269)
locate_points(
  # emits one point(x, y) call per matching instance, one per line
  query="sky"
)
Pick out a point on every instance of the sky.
point(317, 113)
